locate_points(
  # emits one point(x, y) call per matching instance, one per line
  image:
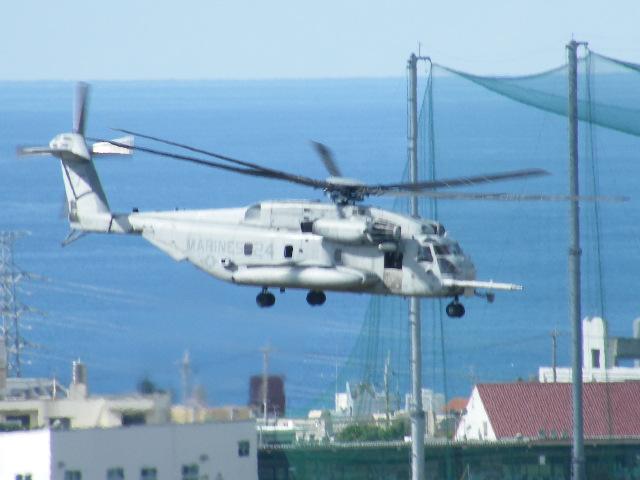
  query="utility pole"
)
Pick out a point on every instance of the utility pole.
point(554, 354)
point(10, 310)
point(416, 412)
point(577, 456)
point(185, 375)
point(387, 407)
point(265, 381)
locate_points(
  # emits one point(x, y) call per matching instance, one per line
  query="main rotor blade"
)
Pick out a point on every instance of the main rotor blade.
point(244, 171)
point(509, 197)
point(269, 172)
point(80, 107)
point(327, 158)
point(425, 188)
point(414, 188)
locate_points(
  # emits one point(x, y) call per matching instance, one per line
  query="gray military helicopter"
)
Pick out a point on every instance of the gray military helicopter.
point(342, 245)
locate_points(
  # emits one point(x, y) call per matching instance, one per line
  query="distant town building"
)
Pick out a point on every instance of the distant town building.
point(214, 451)
point(602, 355)
point(433, 406)
point(27, 403)
point(544, 411)
point(362, 401)
point(276, 399)
point(196, 414)
point(456, 406)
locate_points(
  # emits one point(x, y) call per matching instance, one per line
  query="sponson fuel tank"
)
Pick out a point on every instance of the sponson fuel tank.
point(307, 277)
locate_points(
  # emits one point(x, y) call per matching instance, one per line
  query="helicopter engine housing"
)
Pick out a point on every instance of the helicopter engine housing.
point(339, 230)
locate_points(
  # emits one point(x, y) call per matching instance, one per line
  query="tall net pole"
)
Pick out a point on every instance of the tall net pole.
point(416, 412)
point(577, 456)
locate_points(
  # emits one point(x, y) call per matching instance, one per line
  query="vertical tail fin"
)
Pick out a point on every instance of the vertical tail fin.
point(88, 207)
point(87, 202)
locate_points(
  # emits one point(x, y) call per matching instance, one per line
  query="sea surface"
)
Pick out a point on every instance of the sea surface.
point(130, 312)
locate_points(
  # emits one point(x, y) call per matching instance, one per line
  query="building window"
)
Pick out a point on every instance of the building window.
point(595, 358)
point(116, 473)
point(19, 421)
point(485, 429)
point(72, 475)
point(133, 418)
point(248, 249)
point(23, 476)
point(190, 472)
point(337, 256)
point(288, 251)
point(243, 448)
point(148, 473)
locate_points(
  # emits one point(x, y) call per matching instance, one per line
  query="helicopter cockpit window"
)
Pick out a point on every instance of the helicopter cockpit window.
point(446, 266)
point(429, 229)
point(452, 249)
point(248, 248)
point(288, 251)
point(424, 254)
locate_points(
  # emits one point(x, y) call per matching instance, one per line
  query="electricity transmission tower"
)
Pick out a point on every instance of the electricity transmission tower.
point(11, 311)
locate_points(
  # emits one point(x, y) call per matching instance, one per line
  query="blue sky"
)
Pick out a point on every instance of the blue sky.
point(242, 39)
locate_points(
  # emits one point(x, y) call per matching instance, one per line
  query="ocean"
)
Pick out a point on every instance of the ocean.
point(130, 312)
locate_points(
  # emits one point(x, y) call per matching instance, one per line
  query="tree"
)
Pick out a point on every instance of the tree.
point(146, 386)
point(369, 432)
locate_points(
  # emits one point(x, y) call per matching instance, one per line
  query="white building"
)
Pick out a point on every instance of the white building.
point(212, 451)
point(601, 355)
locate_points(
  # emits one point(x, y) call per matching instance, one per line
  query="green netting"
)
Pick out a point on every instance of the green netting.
point(609, 97)
point(618, 90)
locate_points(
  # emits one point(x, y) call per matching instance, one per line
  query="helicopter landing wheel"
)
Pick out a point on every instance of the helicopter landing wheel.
point(265, 299)
point(316, 298)
point(455, 309)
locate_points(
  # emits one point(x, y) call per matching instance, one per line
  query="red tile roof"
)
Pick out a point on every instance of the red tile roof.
point(457, 404)
point(610, 409)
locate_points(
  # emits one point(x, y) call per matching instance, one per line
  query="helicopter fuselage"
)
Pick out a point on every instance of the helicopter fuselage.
point(313, 245)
